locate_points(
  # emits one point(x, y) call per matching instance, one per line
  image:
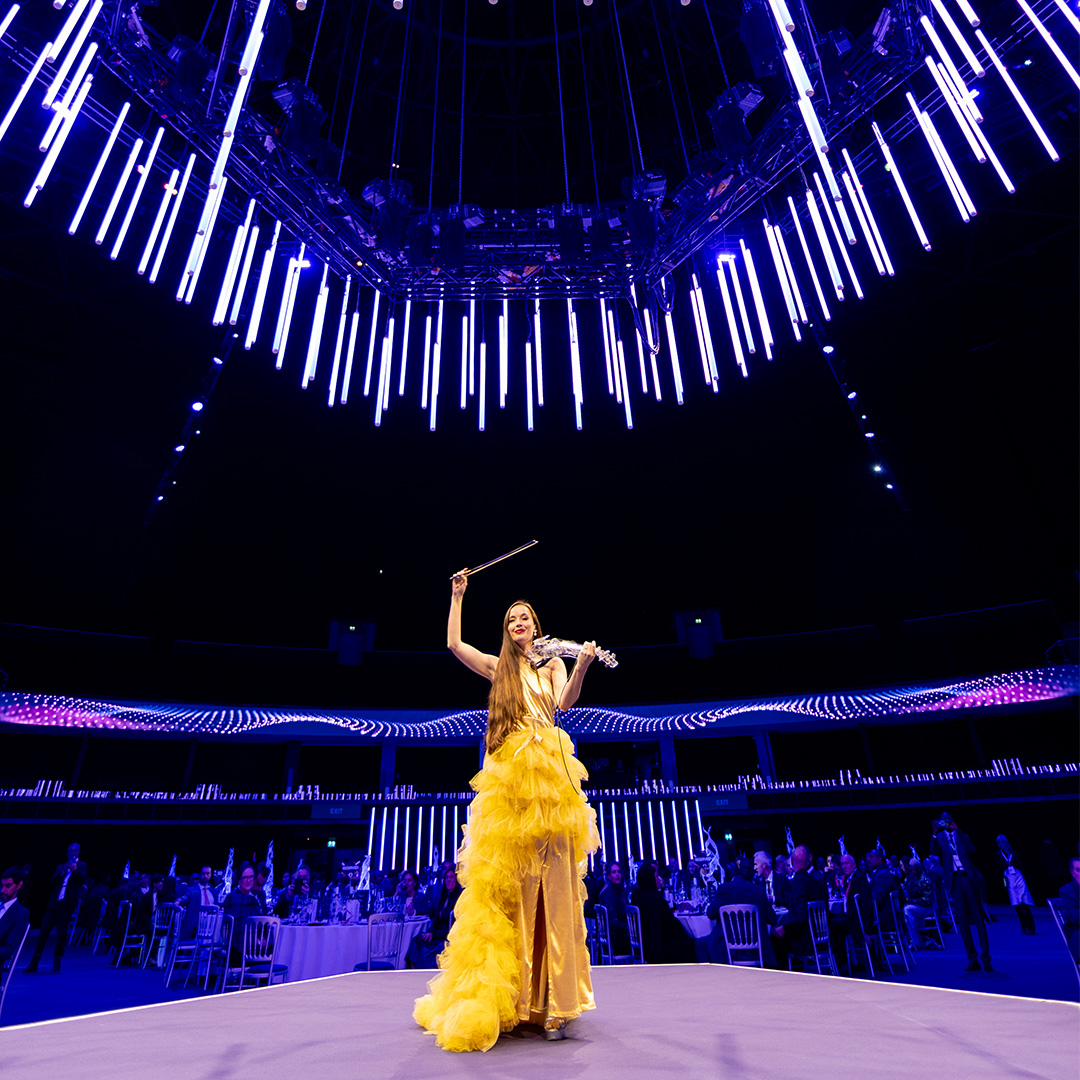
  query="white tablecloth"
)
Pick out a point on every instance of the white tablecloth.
point(696, 925)
point(311, 952)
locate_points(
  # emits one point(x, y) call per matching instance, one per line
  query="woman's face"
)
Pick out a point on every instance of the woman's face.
point(408, 883)
point(614, 874)
point(247, 880)
point(450, 881)
point(520, 623)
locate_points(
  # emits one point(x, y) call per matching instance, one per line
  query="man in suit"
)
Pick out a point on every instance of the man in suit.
point(882, 883)
point(65, 889)
point(1070, 908)
point(14, 918)
point(793, 937)
point(777, 887)
point(955, 850)
point(738, 890)
point(199, 897)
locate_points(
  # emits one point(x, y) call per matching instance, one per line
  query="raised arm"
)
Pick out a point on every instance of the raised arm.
point(568, 689)
point(480, 662)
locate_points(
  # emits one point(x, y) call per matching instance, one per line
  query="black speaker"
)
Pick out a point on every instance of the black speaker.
point(642, 227)
point(452, 243)
point(571, 238)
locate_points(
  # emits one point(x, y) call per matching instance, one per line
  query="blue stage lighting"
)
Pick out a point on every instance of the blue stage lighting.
point(196, 406)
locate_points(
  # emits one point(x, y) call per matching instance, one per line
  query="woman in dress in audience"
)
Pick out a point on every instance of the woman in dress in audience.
point(516, 952)
point(425, 947)
point(242, 904)
point(664, 940)
point(613, 898)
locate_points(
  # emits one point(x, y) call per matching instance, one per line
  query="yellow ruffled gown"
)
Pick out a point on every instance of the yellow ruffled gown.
point(516, 952)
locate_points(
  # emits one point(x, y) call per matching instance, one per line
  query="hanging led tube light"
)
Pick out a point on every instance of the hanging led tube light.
point(232, 267)
point(947, 60)
point(825, 245)
point(1048, 146)
point(839, 242)
point(871, 220)
point(427, 360)
point(825, 313)
point(781, 276)
point(894, 172)
point(68, 118)
point(389, 361)
point(350, 352)
point(709, 380)
point(70, 23)
point(726, 264)
point(315, 338)
point(384, 371)
point(405, 346)
point(1053, 46)
point(969, 12)
point(371, 341)
point(504, 353)
point(871, 243)
point(625, 385)
point(796, 292)
point(1060, 4)
point(76, 46)
point(292, 276)
point(538, 356)
point(155, 229)
point(137, 193)
point(607, 345)
point(946, 88)
point(118, 191)
point(977, 132)
point(205, 246)
point(673, 349)
point(261, 287)
point(472, 348)
point(95, 176)
point(944, 162)
point(63, 106)
point(482, 391)
point(528, 386)
point(637, 339)
point(961, 42)
point(729, 311)
point(339, 341)
point(759, 300)
point(245, 272)
point(706, 331)
point(436, 366)
point(24, 89)
point(609, 331)
point(7, 19)
point(166, 236)
point(464, 360)
point(575, 360)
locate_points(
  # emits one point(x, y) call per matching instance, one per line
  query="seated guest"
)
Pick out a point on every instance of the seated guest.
point(882, 883)
point(262, 874)
point(14, 918)
point(664, 940)
point(408, 894)
point(690, 880)
point(143, 900)
point(793, 938)
point(783, 867)
point(242, 905)
point(918, 900)
point(738, 890)
point(425, 947)
point(1070, 908)
point(777, 888)
point(613, 899)
point(200, 896)
point(296, 893)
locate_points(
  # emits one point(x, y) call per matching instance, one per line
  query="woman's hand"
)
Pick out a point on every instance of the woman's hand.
point(587, 655)
point(458, 583)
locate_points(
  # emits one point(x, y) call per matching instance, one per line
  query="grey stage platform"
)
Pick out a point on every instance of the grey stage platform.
point(680, 1022)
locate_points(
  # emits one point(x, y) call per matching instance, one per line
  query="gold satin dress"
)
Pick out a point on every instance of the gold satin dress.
point(516, 952)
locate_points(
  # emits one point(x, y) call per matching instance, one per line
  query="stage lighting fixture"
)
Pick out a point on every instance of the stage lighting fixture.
point(756, 34)
point(371, 341)
point(825, 313)
point(301, 5)
point(868, 434)
point(306, 117)
point(852, 395)
point(179, 449)
point(339, 341)
point(452, 243)
point(197, 406)
point(398, 4)
point(877, 468)
point(571, 233)
point(828, 350)
point(76, 44)
point(68, 122)
point(193, 62)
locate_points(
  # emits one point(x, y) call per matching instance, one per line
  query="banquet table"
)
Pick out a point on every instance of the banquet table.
point(310, 952)
point(696, 925)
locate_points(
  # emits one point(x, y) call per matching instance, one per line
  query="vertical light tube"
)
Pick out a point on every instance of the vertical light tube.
point(245, 273)
point(405, 844)
point(781, 277)
point(961, 43)
point(457, 833)
point(759, 300)
point(286, 295)
point(1053, 46)
point(539, 356)
point(1048, 146)
point(615, 832)
point(137, 193)
point(205, 244)
point(900, 186)
point(436, 366)
point(673, 349)
point(947, 60)
point(315, 339)
point(969, 12)
point(232, 266)
point(61, 107)
point(637, 338)
point(869, 213)
point(260, 289)
point(70, 22)
point(340, 340)
point(472, 347)
point(464, 360)
point(172, 220)
point(24, 89)
point(626, 823)
point(744, 315)
point(77, 43)
point(528, 386)
point(729, 311)
point(166, 195)
point(427, 359)
point(813, 125)
point(504, 353)
point(948, 171)
point(382, 837)
point(482, 394)
point(607, 345)
point(663, 830)
point(674, 830)
point(705, 330)
point(976, 130)
point(371, 341)
point(371, 835)
point(709, 379)
point(689, 833)
point(67, 123)
point(857, 207)
point(442, 833)
point(405, 346)
point(7, 20)
point(133, 155)
point(836, 233)
point(393, 842)
point(354, 325)
point(640, 834)
point(1060, 4)
point(575, 361)
point(961, 118)
point(609, 332)
point(626, 387)
point(389, 361)
point(652, 831)
point(795, 290)
point(95, 176)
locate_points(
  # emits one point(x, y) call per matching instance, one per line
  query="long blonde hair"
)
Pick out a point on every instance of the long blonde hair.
point(506, 702)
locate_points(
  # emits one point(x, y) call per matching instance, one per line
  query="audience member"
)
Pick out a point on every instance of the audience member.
point(1016, 885)
point(14, 917)
point(297, 892)
point(242, 905)
point(65, 889)
point(882, 883)
point(613, 899)
point(919, 901)
point(262, 875)
point(1070, 908)
point(794, 935)
point(955, 850)
point(783, 867)
point(199, 897)
point(777, 888)
point(739, 890)
point(425, 947)
point(408, 894)
point(664, 939)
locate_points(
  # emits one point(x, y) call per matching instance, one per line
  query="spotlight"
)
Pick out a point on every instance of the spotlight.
point(877, 468)
point(852, 395)
point(58, 4)
point(179, 449)
point(196, 406)
point(301, 5)
point(828, 350)
point(399, 4)
point(868, 434)
point(587, 3)
point(685, 3)
point(889, 487)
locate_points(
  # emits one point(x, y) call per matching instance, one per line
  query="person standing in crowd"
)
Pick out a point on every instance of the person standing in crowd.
point(516, 952)
point(1015, 885)
point(65, 888)
point(955, 850)
point(14, 917)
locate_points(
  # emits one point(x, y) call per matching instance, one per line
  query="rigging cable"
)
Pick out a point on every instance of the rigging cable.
point(629, 91)
point(352, 98)
point(716, 44)
point(341, 72)
point(562, 111)
point(671, 89)
point(588, 112)
point(315, 43)
point(686, 86)
point(461, 135)
point(400, 92)
point(435, 109)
